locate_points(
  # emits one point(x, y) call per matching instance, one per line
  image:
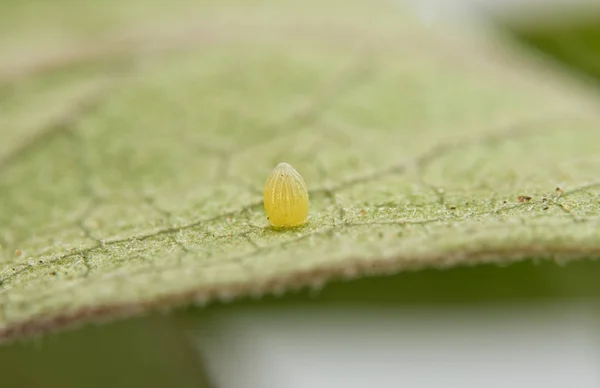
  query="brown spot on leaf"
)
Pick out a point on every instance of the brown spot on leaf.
point(18, 252)
point(524, 198)
point(565, 207)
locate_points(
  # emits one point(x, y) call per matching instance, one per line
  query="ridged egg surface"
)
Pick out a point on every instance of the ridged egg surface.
point(285, 197)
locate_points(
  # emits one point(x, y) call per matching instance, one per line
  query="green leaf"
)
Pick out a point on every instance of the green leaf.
point(135, 142)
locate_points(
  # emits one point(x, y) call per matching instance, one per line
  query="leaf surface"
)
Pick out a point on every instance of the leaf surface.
point(131, 168)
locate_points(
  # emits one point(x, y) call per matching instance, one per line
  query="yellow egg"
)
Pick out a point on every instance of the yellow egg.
point(285, 197)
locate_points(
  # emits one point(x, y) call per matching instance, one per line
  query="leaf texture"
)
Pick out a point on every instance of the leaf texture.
point(136, 139)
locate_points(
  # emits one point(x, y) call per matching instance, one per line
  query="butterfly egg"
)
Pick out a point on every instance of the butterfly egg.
point(285, 197)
